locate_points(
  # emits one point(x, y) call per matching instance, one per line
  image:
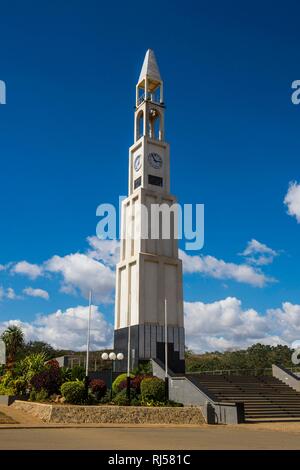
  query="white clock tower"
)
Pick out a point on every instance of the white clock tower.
point(149, 274)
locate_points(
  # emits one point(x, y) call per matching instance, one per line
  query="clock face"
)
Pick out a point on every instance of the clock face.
point(137, 162)
point(155, 160)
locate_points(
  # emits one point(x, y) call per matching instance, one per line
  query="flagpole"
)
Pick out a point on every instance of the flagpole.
point(128, 349)
point(166, 352)
point(88, 344)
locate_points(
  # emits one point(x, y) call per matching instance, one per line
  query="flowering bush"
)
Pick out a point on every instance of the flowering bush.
point(98, 387)
point(49, 379)
point(116, 383)
point(135, 383)
point(53, 363)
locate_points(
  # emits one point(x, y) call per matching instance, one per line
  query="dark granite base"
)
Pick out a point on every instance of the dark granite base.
point(147, 341)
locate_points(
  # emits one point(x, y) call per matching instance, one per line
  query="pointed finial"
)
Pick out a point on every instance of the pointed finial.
point(150, 67)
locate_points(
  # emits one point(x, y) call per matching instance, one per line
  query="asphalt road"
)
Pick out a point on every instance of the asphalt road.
point(212, 437)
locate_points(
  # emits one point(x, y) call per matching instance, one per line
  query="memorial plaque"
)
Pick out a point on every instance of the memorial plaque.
point(155, 180)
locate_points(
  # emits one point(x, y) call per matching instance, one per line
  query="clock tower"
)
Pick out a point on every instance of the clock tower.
point(149, 274)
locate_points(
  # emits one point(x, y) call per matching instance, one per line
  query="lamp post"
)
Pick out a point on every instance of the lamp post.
point(112, 357)
point(86, 380)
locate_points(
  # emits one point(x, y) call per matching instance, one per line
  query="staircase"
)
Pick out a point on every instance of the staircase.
point(265, 398)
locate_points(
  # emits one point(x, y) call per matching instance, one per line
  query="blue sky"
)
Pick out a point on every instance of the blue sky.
point(70, 69)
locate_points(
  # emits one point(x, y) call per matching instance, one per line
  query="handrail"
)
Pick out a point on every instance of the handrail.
point(151, 99)
point(232, 371)
point(247, 372)
point(289, 371)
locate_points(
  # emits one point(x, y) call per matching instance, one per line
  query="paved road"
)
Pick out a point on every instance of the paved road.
point(212, 437)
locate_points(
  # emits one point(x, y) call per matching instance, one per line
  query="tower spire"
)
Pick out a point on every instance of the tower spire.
point(150, 68)
point(150, 84)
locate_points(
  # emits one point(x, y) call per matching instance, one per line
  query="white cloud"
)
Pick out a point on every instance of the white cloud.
point(292, 200)
point(80, 272)
point(107, 251)
point(224, 324)
point(221, 325)
point(286, 320)
point(67, 329)
point(27, 269)
point(8, 293)
point(2, 267)
point(43, 294)
point(258, 253)
point(219, 269)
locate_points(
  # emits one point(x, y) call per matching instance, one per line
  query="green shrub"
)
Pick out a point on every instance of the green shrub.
point(31, 365)
point(73, 392)
point(160, 403)
point(77, 373)
point(120, 399)
point(173, 403)
point(152, 389)
point(6, 390)
point(152, 402)
point(32, 396)
point(144, 368)
point(13, 383)
point(106, 399)
point(90, 399)
point(6, 379)
point(42, 395)
point(135, 401)
point(118, 381)
point(19, 386)
point(66, 374)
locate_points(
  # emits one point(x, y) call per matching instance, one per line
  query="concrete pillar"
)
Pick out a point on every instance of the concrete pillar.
point(161, 92)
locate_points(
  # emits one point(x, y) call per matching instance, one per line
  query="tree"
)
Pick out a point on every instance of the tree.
point(13, 338)
point(257, 357)
point(35, 347)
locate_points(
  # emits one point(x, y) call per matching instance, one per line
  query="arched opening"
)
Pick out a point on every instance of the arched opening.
point(139, 125)
point(156, 94)
point(155, 124)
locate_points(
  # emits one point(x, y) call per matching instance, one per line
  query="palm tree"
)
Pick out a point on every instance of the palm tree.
point(13, 338)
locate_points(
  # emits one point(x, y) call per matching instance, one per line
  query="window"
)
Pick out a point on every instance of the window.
point(155, 129)
point(139, 125)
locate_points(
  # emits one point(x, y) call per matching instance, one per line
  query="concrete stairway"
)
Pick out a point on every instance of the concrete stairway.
point(264, 397)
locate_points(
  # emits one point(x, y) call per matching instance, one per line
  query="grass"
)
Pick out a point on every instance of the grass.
point(4, 419)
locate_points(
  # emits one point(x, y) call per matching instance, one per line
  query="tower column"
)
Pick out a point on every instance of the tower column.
point(161, 92)
point(146, 88)
point(149, 272)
